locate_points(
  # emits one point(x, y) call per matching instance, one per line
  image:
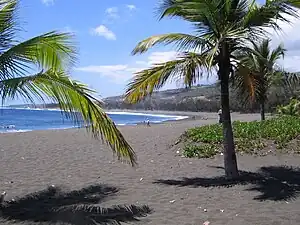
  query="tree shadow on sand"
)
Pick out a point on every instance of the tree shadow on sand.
point(274, 183)
point(80, 207)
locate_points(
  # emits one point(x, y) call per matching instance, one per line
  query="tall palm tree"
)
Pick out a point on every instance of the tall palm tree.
point(222, 27)
point(258, 72)
point(52, 55)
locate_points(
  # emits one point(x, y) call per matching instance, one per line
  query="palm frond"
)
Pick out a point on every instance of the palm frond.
point(188, 67)
point(8, 23)
point(268, 15)
point(247, 85)
point(205, 14)
point(257, 71)
point(181, 41)
point(277, 53)
point(52, 50)
point(73, 98)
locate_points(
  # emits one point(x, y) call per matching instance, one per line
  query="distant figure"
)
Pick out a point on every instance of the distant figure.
point(148, 123)
point(2, 197)
point(220, 116)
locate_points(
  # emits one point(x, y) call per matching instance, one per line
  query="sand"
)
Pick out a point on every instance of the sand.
point(178, 190)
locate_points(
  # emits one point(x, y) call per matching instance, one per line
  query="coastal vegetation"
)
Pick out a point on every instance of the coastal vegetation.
point(276, 135)
point(222, 30)
point(52, 54)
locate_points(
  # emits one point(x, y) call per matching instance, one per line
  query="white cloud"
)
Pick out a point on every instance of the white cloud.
point(48, 2)
point(131, 7)
point(121, 73)
point(103, 31)
point(290, 37)
point(112, 12)
point(161, 57)
point(116, 73)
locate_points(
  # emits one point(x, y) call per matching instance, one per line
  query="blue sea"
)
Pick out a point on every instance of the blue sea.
point(25, 119)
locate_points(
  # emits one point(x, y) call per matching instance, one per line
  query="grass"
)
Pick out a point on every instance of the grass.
point(276, 134)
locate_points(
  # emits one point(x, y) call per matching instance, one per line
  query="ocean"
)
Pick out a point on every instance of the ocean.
point(24, 119)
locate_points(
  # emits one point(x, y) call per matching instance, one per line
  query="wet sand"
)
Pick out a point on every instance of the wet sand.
point(179, 190)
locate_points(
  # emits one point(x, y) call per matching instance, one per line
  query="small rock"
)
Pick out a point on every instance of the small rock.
point(221, 210)
point(22, 158)
point(190, 162)
point(206, 223)
point(199, 207)
point(221, 154)
point(151, 161)
point(205, 210)
point(172, 201)
point(141, 179)
point(236, 214)
point(177, 152)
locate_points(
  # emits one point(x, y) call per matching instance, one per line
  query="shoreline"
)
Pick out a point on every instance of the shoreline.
point(186, 116)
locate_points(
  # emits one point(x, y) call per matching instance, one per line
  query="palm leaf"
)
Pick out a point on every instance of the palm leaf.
point(188, 67)
point(51, 50)
point(8, 24)
point(73, 98)
point(257, 71)
point(181, 41)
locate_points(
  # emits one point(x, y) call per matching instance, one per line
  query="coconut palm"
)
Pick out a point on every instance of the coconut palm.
point(222, 27)
point(37, 70)
point(258, 72)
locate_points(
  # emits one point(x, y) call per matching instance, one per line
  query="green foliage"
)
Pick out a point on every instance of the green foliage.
point(200, 151)
point(250, 137)
point(292, 109)
point(258, 71)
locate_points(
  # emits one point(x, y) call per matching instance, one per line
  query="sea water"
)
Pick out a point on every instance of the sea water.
point(26, 119)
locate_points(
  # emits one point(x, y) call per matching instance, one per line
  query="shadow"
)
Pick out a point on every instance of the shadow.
point(80, 207)
point(273, 183)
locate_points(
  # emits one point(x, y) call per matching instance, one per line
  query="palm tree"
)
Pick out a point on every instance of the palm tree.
point(52, 55)
point(258, 72)
point(222, 27)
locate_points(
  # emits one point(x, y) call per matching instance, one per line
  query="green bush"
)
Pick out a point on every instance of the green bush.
point(200, 151)
point(292, 109)
point(250, 137)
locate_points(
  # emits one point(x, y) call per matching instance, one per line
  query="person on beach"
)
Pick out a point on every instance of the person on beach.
point(148, 123)
point(220, 116)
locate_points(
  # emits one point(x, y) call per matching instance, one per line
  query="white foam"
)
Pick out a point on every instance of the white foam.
point(112, 113)
point(15, 131)
point(146, 114)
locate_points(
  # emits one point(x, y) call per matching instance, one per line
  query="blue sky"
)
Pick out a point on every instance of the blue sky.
point(106, 32)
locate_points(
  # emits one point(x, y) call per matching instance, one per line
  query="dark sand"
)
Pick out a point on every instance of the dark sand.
point(32, 161)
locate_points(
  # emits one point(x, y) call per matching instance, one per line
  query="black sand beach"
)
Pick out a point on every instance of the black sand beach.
point(72, 159)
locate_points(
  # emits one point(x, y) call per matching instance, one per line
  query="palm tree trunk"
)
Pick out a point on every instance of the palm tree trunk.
point(230, 161)
point(262, 110)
